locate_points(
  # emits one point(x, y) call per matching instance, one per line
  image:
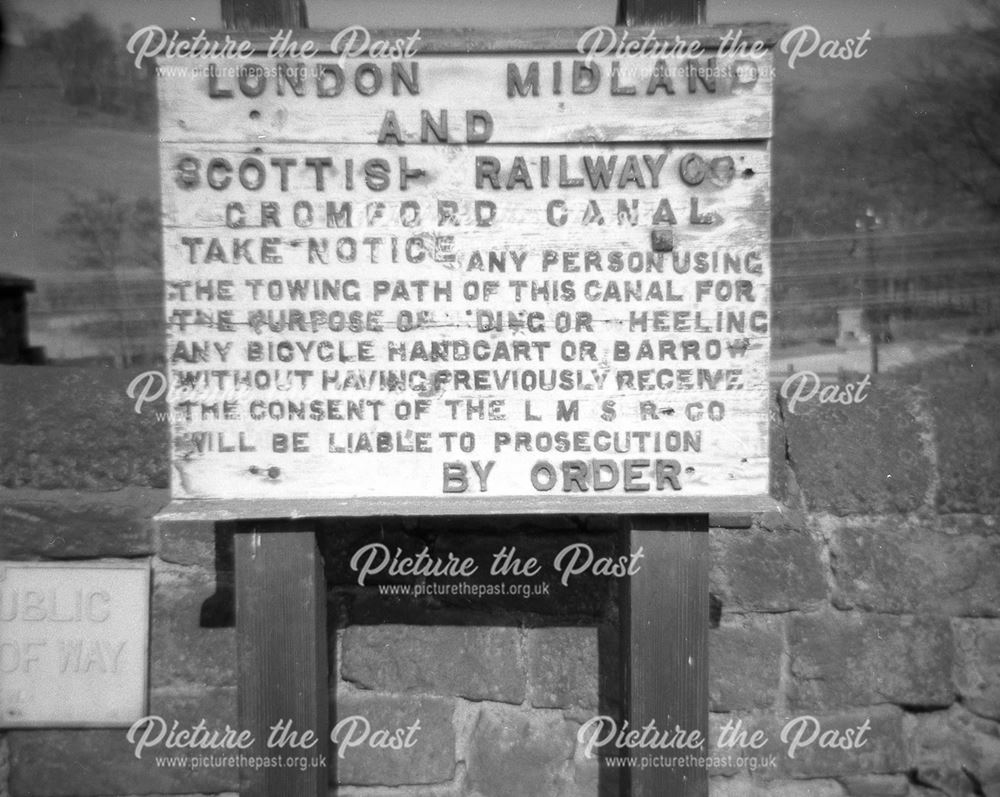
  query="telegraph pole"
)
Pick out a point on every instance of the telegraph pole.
point(870, 292)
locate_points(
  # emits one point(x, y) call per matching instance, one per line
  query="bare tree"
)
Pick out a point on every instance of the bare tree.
point(108, 233)
point(94, 69)
point(943, 115)
point(83, 51)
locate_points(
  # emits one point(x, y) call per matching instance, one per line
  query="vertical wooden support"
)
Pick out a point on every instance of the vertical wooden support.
point(281, 648)
point(263, 14)
point(666, 618)
point(666, 646)
point(650, 13)
point(280, 588)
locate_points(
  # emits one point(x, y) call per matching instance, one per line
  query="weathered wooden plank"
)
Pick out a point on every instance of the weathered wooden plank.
point(202, 179)
point(479, 40)
point(263, 507)
point(632, 98)
point(638, 377)
point(281, 647)
point(628, 276)
point(394, 478)
point(667, 648)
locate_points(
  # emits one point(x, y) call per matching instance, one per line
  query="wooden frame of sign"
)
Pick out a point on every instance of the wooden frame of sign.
point(369, 316)
point(497, 275)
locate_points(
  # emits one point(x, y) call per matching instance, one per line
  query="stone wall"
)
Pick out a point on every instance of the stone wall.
point(872, 597)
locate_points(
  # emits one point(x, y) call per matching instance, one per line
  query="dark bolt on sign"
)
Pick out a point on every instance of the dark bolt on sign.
point(508, 282)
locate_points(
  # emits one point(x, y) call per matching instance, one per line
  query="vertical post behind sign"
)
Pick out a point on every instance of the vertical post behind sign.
point(280, 593)
point(263, 14)
point(660, 12)
point(281, 649)
point(666, 619)
point(666, 646)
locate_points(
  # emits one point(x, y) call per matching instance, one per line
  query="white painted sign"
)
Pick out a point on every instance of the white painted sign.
point(402, 326)
point(435, 99)
point(73, 644)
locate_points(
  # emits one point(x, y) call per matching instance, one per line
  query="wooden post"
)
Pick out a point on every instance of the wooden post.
point(279, 581)
point(650, 13)
point(263, 14)
point(666, 646)
point(667, 625)
point(281, 650)
point(280, 593)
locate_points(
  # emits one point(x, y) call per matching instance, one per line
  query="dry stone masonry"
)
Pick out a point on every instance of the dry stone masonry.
point(872, 596)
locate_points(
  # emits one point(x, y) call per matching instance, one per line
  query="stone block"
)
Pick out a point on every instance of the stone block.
point(446, 790)
point(423, 725)
point(863, 458)
point(723, 759)
point(840, 659)
point(477, 663)
point(563, 668)
point(964, 407)
point(587, 780)
point(877, 786)
point(944, 565)
point(92, 762)
point(744, 786)
point(187, 542)
point(879, 749)
point(977, 665)
point(744, 662)
point(770, 571)
point(70, 524)
point(956, 752)
point(181, 650)
point(76, 428)
point(517, 753)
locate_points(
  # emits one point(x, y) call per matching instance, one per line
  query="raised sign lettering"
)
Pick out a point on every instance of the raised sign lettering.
point(467, 280)
point(73, 644)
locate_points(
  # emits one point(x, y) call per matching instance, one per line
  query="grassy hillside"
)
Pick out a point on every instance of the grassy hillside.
point(50, 151)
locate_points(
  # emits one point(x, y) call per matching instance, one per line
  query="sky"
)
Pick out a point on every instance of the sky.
point(833, 18)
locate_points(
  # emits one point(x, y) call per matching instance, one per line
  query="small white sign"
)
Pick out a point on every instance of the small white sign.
point(73, 644)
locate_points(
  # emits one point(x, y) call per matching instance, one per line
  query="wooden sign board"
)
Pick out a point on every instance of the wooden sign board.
point(73, 644)
point(467, 283)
